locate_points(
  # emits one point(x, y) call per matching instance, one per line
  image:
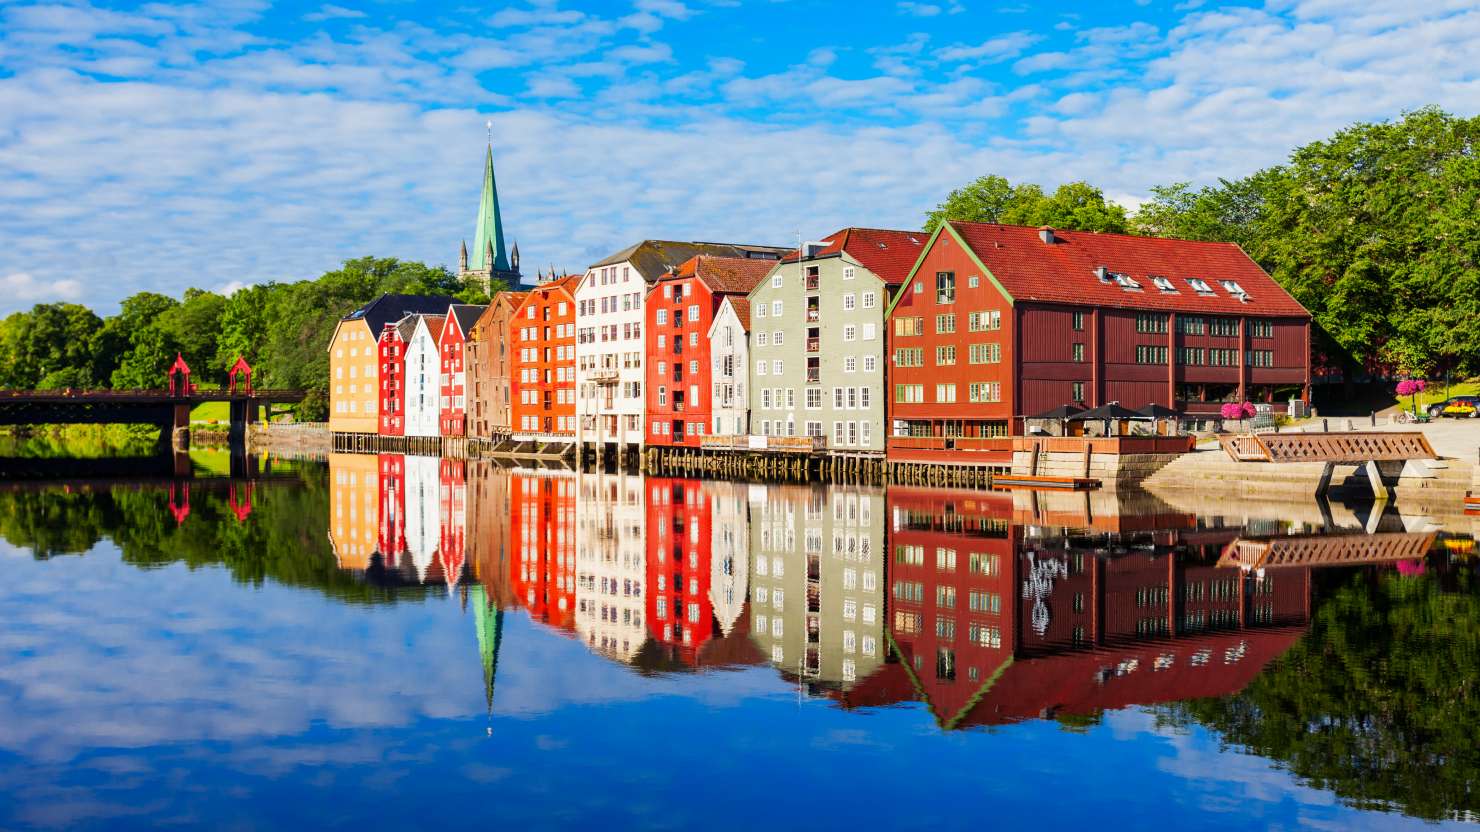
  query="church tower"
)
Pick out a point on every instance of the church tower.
point(491, 261)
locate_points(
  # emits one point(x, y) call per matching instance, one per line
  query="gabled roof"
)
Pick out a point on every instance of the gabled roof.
point(386, 308)
point(434, 325)
point(724, 275)
point(741, 304)
point(406, 327)
point(888, 254)
point(654, 258)
point(466, 314)
point(1063, 271)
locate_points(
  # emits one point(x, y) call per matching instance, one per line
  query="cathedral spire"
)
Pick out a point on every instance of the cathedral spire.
point(489, 233)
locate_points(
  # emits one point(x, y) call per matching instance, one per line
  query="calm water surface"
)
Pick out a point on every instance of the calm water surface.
point(409, 642)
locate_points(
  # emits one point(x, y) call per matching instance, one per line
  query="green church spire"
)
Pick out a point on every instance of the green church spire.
point(490, 230)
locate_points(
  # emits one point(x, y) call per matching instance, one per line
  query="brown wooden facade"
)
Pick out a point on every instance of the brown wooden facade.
point(488, 367)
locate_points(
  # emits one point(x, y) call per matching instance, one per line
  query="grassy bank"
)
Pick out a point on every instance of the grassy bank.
point(78, 441)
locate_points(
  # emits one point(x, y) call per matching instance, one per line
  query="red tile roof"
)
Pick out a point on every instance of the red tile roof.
point(888, 254)
point(742, 309)
point(725, 275)
point(1064, 272)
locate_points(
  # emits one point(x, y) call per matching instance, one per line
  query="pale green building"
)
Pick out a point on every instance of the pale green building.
point(817, 338)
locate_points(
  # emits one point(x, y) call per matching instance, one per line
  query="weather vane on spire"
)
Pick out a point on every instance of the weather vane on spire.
point(489, 125)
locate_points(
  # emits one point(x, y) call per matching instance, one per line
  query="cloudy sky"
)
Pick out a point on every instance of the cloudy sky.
point(160, 146)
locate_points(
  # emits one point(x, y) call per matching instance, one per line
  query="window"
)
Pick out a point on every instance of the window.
point(945, 323)
point(1192, 325)
point(909, 393)
point(909, 326)
point(909, 357)
point(945, 287)
point(850, 333)
point(1199, 285)
point(980, 564)
point(1078, 350)
point(985, 391)
point(870, 363)
point(945, 559)
point(985, 353)
point(848, 273)
point(850, 302)
point(1192, 356)
point(1149, 354)
point(838, 435)
point(1259, 358)
point(1151, 323)
point(1078, 391)
point(945, 393)
point(983, 321)
point(1078, 321)
point(1261, 328)
point(663, 395)
point(972, 281)
point(776, 338)
point(760, 367)
point(662, 368)
point(850, 364)
point(766, 398)
point(1223, 327)
point(662, 316)
point(760, 311)
point(945, 597)
point(761, 339)
point(987, 602)
point(776, 367)
point(870, 332)
point(945, 356)
point(814, 398)
point(775, 308)
point(776, 280)
point(870, 300)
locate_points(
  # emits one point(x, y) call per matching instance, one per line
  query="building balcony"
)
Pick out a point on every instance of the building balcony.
point(812, 282)
point(780, 444)
point(814, 375)
point(814, 345)
point(813, 316)
point(604, 375)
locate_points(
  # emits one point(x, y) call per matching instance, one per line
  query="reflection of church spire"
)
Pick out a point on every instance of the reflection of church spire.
point(489, 621)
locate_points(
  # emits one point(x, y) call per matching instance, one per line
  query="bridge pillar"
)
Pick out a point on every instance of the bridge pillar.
point(180, 427)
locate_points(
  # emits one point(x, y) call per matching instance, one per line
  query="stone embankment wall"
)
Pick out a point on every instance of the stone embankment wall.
point(300, 439)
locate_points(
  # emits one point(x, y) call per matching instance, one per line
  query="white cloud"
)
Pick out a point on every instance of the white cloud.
point(999, 48)
point(21, 286)
point(331, 12)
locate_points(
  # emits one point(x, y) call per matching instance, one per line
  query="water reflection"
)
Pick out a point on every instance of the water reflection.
point(987, 607)
point(1340, 642)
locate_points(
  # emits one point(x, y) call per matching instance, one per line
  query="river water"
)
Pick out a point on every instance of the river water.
point(389, 641)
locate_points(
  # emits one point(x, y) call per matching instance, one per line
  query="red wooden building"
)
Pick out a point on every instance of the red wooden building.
point(452, 518)
point(542, 526)
point(542, 336)
point(998, 323)
point(680, 613)
point(391, 488)
point(678, 311)
point(453, 380)
point(392, 347)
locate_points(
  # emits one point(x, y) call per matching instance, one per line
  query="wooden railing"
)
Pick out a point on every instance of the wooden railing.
point(782, 444)
point(949, 443)
point(1348, 447)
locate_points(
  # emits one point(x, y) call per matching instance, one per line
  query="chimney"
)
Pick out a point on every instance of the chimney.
point(1045, 233)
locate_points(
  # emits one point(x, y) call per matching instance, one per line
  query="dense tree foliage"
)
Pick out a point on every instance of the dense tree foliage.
point(283, 539)
point(1378, 702)
point(282, 329)
point(991, 198)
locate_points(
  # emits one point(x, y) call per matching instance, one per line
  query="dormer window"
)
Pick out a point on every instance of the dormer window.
point(1232, 287)
point(1163, 283)
point(1200, 286)
point(1102, 273)
point(1126, 282)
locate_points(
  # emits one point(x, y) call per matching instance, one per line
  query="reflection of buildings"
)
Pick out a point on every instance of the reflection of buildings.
point(452, 519)
point(423, 526)
point(353, 516)
point(488, 544)
point(680, 615)
point(816, 582)
point(391, 539)
point(542, 531)
point(611, 565)
point(995, 621)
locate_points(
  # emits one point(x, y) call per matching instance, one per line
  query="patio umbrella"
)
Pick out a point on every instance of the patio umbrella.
point(1061, 412)
point(1105, 411)
point(1156, 411)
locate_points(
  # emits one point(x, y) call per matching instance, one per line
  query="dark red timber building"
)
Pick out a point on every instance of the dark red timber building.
point(679, 310)
point(998, 323)
point(392, 344)
point(453, 380)
point(680, 611)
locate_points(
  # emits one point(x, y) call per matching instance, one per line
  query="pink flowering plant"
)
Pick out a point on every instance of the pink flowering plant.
point(1237, 410)
point(1411, 387)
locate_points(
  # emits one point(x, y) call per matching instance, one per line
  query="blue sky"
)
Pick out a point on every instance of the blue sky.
point(159, 146)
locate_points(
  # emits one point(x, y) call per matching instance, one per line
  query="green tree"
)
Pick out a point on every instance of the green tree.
point(194, 325)
point(1074, 205)
point(51, 338)
point(147, 361)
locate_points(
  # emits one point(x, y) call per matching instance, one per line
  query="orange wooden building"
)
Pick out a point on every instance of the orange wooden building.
point(542, 339)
